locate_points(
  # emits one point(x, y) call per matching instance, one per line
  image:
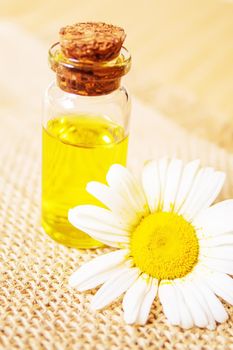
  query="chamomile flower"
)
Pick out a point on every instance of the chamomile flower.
point(170, 243)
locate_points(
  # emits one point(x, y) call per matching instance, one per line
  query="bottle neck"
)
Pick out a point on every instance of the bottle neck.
point(86, 83)
point(86, 77)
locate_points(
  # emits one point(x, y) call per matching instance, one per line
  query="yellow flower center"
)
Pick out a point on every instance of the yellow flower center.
point(165, 246)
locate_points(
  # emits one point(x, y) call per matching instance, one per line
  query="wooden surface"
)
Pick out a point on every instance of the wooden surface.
point(182, 52)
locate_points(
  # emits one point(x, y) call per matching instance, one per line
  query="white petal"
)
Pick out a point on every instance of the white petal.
point(151, 184)
point(203, 176)
point(123, 182)
point(215, 220)
point(100, 224)
point(217, 240)
point(186, 182)
point(114, 287)
point(98, 266)
point(186, 320)
point(116, 203)
point(196, 310)
point(162, 168)
point(174, 172)
point(98, 279)
point(220, 265)
point(100, 218)
point(207, 184)
point(214, 304)
point(211, 191)
point(222, 252)
point(138, 300)
point(133, 298)
point(168, 299)
point(203, 304)
point(147, 302)
point(222, 285)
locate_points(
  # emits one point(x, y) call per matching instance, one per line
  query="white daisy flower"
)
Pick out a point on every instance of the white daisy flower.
point(170, 241)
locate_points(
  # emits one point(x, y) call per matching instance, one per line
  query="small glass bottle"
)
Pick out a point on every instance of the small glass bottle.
point(85, 131)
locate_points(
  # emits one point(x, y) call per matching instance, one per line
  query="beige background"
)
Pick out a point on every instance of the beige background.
point(182, 52)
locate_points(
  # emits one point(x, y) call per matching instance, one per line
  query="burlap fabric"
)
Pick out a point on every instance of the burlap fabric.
point(37, 309)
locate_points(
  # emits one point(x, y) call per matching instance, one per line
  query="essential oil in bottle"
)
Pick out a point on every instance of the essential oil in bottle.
point(76, 149)
point(85, 126)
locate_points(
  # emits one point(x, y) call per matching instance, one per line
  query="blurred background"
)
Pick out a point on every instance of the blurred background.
point(182, 55)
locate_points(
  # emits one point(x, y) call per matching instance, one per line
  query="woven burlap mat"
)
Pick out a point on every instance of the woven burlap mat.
point(37, 309)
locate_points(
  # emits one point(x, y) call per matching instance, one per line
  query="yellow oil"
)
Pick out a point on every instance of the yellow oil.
point(76, 149)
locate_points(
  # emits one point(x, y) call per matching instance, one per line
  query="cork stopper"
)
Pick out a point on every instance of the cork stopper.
point(90, 59)
point(92, 41)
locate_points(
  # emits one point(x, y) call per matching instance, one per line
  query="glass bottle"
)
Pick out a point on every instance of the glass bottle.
point(85, 131)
